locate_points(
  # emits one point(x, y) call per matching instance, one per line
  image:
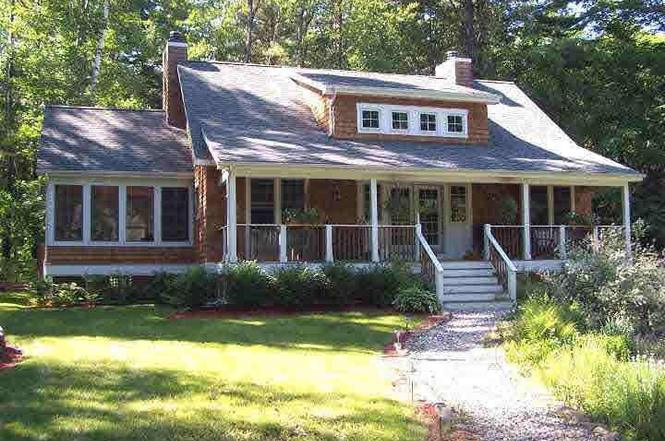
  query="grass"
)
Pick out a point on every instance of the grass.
point(120, 373)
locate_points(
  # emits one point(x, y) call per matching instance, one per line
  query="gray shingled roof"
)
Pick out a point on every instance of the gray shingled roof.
point(108, 140)
point(253, 114)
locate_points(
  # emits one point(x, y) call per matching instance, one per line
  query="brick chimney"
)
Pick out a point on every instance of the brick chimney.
point(175, 53)
point(457, 69)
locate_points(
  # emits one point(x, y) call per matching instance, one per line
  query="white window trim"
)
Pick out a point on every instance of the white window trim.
point(409, 121)
point(467, 204)
point(122, 210)
point(437, 117)
point(369, 107)
point(413, 112)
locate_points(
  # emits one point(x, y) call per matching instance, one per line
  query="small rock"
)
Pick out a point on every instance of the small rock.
point(605, 434)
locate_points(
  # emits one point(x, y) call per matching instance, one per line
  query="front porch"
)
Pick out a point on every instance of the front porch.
point(512, 226)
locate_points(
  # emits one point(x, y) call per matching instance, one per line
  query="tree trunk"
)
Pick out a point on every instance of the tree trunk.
point(469, 31)
point(97, 63)
point(252, 6)
point(9, 124)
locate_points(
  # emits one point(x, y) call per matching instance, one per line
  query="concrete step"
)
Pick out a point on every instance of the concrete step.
point(466, 264)
point(478, 306)
point(468, 297)
point(474, 272)
point(483, 289)
point(476, 280)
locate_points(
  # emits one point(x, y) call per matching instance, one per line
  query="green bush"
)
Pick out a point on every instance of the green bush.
point(613, 289)
point(416, 299)
point(300, 286)
point(342, 283)
point(630, 396)
point(49, 293)
point(193, 289)
point(378, 285)
point(116, 288)
point(246, 285)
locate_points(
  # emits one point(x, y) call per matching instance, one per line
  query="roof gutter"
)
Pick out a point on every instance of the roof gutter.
point(115, 174)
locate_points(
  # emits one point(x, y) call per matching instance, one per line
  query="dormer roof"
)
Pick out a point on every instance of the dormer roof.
point(336, 82)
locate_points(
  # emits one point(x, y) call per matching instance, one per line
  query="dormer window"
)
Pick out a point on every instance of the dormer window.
point(392, 119)
point(400, 121)
point(428, 122)
point(455, 124)
point(370, 120)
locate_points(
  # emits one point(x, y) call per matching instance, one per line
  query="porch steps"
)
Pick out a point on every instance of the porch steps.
point(472, 285)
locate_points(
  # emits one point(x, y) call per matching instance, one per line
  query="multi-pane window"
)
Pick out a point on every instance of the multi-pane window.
point(262, 210)
point(400, 120)
point(293, 194)
point(428, 122)
point(104, 222)
point(69, 212)
point(458, 203)
point(455, 124)
point(140, 217)
point(370, 119)
point(175, 214)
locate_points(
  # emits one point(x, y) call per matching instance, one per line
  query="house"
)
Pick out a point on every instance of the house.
point(467, 177)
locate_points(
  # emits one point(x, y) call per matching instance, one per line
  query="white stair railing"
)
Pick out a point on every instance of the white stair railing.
point(431, 268)
point(504, 267)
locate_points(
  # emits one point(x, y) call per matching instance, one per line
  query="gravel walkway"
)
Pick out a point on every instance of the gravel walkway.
point(449, 364)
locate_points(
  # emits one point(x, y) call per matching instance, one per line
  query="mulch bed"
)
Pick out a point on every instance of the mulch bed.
point(12, 356)
point(396, 348)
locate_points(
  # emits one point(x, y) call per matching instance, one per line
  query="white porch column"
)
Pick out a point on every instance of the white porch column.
point(374, 216)
point(526, 222)
point(626, 218)
point(231, 217)
point(329, 243)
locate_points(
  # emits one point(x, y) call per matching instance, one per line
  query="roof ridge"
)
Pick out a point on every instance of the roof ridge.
point(237, 63)
point(114, 109)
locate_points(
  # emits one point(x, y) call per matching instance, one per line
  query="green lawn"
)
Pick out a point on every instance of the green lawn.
point(127, 373)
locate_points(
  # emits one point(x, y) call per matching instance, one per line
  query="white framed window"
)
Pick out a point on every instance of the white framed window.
point(369, 119)
point(428, 123)
point(119, 214)
point(399, 121)
point(458, 204)
point(456, 124)
point(412, 120)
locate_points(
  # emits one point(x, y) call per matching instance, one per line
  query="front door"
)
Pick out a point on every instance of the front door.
point(458, 230)
point(429, 213)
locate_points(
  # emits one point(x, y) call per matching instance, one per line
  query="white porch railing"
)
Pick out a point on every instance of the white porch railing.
point(430, 266)
point(546, 241)
point(504, 267)
point(322, 243)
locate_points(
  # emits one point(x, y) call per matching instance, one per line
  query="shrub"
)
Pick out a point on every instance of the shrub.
point(49, 293)
point(193, 289)
point(246, 285)
point(378, 285)
point(613, 288)
point(342, 283)
point(299, 286)
point(158, 286)
point(116, 288)
point(416, 299)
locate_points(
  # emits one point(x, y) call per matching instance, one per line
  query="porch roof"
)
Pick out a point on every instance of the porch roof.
point(241, 113)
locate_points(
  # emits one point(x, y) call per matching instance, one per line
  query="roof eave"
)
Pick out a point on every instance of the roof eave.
point(114, 174)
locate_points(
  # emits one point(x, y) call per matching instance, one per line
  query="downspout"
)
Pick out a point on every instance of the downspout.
point(331, 112)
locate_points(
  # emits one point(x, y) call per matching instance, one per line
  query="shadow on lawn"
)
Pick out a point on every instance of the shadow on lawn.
point(89, 403)
point(334, 331)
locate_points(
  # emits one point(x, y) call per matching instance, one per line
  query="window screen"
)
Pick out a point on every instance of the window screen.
point(140, 217)
point(175, 214)
point(69, 212)
point(104, 213)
